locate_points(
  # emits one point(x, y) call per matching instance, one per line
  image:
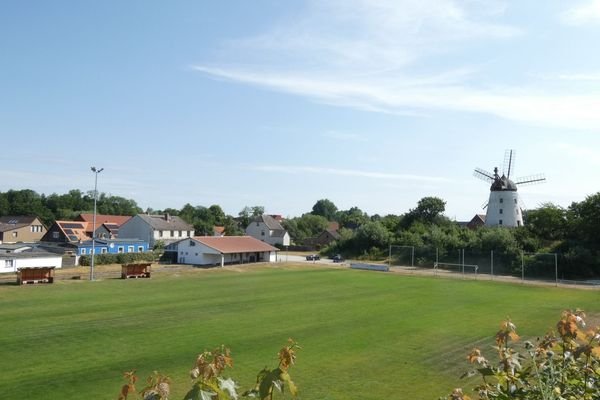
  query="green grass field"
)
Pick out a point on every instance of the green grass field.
point(364, 335)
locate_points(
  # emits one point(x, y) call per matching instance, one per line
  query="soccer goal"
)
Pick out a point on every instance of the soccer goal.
point(401, 256)
point(455, 267)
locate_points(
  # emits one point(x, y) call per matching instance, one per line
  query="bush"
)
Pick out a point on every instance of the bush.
point(562, 366)
point(209, 383)
point(121, 258)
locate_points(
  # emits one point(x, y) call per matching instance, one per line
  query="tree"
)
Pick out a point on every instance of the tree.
point(548, 222)
point(325, 208)
point(429, 208)
point(372, 234)
point(352, 218)
point(584, 221)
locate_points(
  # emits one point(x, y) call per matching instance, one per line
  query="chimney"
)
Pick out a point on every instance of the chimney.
point(167, 217)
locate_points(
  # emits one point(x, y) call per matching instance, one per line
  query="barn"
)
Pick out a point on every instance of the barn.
point(222, 250)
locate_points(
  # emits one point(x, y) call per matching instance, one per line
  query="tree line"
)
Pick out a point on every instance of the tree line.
point(572, 232)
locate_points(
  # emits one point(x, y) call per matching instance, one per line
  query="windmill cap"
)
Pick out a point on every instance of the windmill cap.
point(503, 183)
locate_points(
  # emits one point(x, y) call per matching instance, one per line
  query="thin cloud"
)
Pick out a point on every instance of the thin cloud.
point(362, 54)
point(347, 172)
point(592, 77)
point(582, 14)
point(531, 106)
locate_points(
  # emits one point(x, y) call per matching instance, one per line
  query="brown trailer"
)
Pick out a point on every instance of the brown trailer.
point(29, 275)
point(135, 270)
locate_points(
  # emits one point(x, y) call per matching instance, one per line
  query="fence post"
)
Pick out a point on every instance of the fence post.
point(463, 262)
point(412, 257)
point(492, 264)
point(390, 257)
point(556, 268)
point(522, 268)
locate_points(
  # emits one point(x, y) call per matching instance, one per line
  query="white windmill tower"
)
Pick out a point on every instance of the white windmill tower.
point(504, 207)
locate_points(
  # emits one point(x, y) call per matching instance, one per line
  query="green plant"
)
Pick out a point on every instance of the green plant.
point(560, 366)
point(209, 383)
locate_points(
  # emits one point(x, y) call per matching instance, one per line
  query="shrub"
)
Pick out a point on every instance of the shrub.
point(121, 258)
point(560, 366)
point(209, 383)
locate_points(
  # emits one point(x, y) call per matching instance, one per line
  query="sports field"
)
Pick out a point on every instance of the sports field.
point(364, 334)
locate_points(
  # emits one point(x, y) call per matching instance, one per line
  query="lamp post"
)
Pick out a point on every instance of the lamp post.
point(96, 171)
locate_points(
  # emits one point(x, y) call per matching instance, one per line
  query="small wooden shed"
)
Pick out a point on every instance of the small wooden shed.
point(135, 270)
point(28, 275)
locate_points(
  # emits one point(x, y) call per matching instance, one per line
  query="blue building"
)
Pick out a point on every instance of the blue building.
point(110, 246)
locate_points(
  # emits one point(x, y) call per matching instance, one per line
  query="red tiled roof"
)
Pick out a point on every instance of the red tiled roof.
point(235, 244)
point(102, 218)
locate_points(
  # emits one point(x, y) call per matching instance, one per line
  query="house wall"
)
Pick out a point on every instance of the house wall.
point(10, 264)
point(113, 248)
point(260, 231)
point(102, 232)
point(30, 233)
point(55, 235)
point(137, 228)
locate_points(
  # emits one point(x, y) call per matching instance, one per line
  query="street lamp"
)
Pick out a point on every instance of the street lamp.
point(96, 171)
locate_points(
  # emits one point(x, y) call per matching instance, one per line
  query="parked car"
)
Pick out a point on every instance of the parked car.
point(313, 257)
point(338, 258)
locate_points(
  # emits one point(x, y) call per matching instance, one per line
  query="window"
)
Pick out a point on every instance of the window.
point(501, 211)
point(82, 252)
point(262, 233)
point(515, 201)
point(121, 249)
point(160, 233)
point(172, 233)
point(15, 234)
point(130, 249)
point(196, 254)
point(55, 235)
point(180, 234)
point(192, 243)
point(35, 228)
point(8, 263)
point(500, 222)
point(140, 249)
point(501, 200)
point(103, 250)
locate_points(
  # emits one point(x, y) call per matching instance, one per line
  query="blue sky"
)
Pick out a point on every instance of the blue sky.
point(374, 104)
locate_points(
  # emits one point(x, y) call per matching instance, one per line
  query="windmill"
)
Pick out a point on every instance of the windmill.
point(504, 207)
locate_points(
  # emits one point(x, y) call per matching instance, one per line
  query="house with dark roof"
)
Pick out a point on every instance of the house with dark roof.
point(15, 229)
point(222, 250)
point(154, 228)
point(267, 229)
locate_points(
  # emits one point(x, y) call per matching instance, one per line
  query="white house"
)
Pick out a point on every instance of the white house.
point(153, 228)
point(10, 262)
point(268, 230)
point(221, 250)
